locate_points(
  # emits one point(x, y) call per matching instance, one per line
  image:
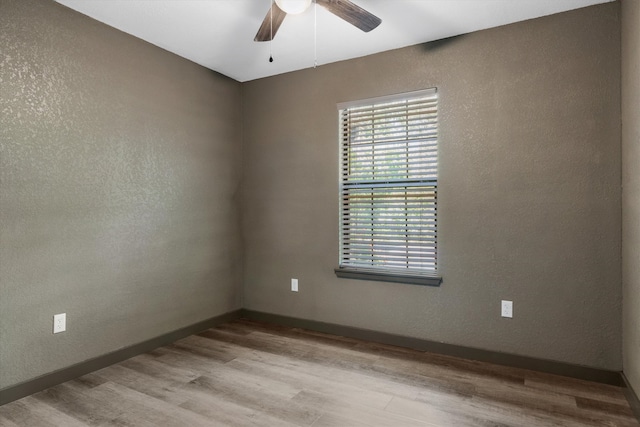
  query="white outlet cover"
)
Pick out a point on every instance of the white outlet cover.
point(59, 323)
point(294, 285)
point(507, 308)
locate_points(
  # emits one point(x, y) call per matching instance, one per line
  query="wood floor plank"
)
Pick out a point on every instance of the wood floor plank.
point(299, 334)
point(260, 399)
point(140, 409)
point(76, 403)
point(212, 350)
point(558, 405)
point(249, 381)
point(544, 416)
point(5, 422)
point(445, 364)
point(606, 407)
point(249, 374)
point(578, 388)
point(32, 412)
point(167, 391)
point(305, 381)
point(150, 366)
point(362, 379)
point(225, 412)
point(472, 413)
point(341, 411)
point(431, 414)
point(415, 374)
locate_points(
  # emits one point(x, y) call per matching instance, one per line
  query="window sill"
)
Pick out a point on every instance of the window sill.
point(350, 273)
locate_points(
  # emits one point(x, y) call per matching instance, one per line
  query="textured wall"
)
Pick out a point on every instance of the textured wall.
point(529, 199)
point(119, 175)
point(631, 189)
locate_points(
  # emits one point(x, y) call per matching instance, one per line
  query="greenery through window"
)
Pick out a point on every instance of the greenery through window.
point(389, 185)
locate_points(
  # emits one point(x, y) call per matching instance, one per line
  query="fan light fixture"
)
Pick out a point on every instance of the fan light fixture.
point(293, 7)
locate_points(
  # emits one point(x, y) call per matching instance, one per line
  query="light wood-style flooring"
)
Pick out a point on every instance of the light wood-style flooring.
point(252, 374)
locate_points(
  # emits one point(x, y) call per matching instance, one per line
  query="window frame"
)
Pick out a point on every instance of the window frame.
point(417, 276)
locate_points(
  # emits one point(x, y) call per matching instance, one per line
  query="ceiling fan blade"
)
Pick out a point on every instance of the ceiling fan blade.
point(352, 13)
point(266, 32)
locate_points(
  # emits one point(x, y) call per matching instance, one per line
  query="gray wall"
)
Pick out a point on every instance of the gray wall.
point(631, 189)
point(119, 178)
point(529, 200)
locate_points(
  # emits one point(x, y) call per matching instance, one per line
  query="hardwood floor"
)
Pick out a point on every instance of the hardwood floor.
point(251, 374)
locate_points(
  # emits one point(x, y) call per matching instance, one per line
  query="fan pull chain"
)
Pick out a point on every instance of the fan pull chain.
point(315, 33)
point(271, 38)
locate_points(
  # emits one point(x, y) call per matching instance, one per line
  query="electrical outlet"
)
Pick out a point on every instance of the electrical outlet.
point(294, 285)
point(507, 309)
point(59, 323)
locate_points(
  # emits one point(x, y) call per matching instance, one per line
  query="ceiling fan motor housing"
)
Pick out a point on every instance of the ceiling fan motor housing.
point(293, 7)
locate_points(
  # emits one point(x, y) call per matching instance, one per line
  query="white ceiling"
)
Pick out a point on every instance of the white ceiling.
point(218, 34)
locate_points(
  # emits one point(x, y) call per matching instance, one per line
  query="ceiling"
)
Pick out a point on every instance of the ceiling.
point(218, 34)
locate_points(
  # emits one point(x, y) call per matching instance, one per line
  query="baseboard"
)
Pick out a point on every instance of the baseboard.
point(632, 397)
point(35, 385)
point(512, 360)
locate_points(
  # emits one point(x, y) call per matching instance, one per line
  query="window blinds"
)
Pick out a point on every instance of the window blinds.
point(389, 183)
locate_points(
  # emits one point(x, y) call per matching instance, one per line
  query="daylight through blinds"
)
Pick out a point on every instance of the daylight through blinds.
point(389, 184)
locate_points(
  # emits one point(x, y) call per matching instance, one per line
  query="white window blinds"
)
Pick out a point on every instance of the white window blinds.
point(389, 184)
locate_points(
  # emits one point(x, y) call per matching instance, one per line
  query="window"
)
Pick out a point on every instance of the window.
point(388, 188)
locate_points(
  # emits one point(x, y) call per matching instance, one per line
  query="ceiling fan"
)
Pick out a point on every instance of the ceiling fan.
point(345, 9)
